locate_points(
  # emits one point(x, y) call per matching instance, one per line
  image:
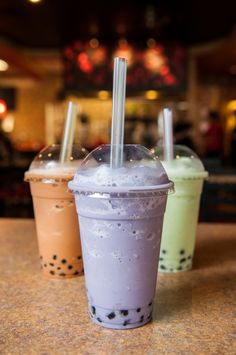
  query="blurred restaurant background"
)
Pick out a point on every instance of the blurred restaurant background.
point(181, 54)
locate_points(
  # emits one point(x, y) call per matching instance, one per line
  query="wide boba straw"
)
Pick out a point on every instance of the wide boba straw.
point(120, 192)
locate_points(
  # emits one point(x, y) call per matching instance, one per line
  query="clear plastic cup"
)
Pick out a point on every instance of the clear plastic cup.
point(55, 212)
point(120, 214)
point(179, 230)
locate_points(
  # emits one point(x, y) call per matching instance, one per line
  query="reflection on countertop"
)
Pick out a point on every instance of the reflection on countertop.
point(193, 311)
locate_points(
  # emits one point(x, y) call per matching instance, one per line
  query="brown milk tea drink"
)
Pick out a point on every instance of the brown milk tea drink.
point(55, 213)
point(120, 215)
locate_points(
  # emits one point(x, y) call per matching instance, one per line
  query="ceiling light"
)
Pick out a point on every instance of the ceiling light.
point(34, 1)
point(3, 107)
point(103, 95)
point(8, 124)
point(3, 65)
point(231, 106)
point(151, 94)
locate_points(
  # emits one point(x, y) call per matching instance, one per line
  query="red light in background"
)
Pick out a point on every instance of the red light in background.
point(165, 70)
point(170, 79)
point(3, 108)
point(84, 63)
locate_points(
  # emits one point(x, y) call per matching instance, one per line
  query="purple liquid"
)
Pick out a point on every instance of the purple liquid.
point(121, 241)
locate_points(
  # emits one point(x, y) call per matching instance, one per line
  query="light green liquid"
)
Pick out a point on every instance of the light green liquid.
point(180, 222)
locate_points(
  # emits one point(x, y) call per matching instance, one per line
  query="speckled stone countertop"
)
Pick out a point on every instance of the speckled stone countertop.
point(193, 312)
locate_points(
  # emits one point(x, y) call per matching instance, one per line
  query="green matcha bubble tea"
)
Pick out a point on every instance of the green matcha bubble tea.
point(181, 216)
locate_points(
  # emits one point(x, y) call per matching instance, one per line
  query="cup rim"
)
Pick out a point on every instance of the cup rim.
point(164, 188)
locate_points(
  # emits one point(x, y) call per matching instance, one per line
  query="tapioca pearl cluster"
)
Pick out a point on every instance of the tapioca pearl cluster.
point(61, 267)
point(63, 204)
point(184, 261)
point(71, 203)
point(122, 317)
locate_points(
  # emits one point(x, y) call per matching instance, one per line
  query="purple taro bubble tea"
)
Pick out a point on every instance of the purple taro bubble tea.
point(121, 215)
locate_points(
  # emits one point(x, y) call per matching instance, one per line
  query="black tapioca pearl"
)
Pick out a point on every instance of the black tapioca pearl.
point(134, 232)
point(45, 265)
point(162, 267)
point(179, 268)
point(149, 304)
point(79, 257)
point(99, 320)
point(58, 268)
point(126, 322)
point(149, 316)
point(164, 251)
point(70, 267)
point(93, 309)
point(141, 319)
point(63, 261)
point(124, 312)
point(51, 264)
point(52, 272)
point(182, 251)
point(62, 274)
point(138, 309)
point(54, 257)
point(189, 257)
point(76, 273)
point(82, 271)
point(111, 315)
point(182, 260)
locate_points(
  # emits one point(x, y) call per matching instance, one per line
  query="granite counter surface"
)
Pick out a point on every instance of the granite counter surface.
point(194, 312)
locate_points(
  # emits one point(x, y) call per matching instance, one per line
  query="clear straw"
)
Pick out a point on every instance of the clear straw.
point(69, 130)
point(168, 134)
point(118, 112)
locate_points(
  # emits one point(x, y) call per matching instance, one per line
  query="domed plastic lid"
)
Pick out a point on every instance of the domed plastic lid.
point(186, 163)
point(140, 171)
point(46, 166)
